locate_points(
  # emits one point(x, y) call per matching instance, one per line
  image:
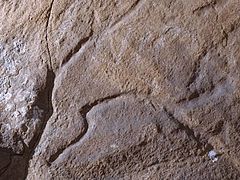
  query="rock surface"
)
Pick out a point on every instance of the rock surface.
point(119, 89)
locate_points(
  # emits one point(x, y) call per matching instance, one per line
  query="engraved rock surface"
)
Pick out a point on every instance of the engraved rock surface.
point(119, 89)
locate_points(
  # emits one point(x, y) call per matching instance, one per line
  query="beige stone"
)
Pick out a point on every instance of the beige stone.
point(119, 89)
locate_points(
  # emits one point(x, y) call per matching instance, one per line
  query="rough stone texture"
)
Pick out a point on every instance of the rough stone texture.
point(119, 89)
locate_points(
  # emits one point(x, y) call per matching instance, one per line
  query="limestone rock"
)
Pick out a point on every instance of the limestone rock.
point(119, 89)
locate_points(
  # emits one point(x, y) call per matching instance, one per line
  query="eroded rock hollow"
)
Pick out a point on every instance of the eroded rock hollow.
point(119, 89)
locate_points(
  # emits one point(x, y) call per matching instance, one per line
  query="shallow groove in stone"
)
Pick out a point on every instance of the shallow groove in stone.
point(84, 111)
point(79, 45)
point(196, 69)
point(208, 4)
point(204, 147)
point(134, 6)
